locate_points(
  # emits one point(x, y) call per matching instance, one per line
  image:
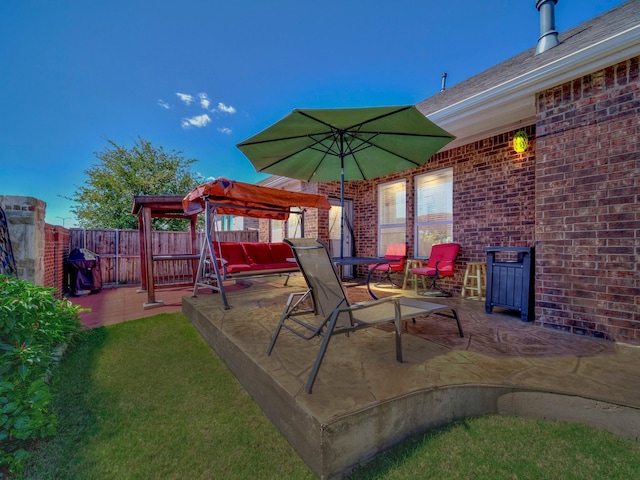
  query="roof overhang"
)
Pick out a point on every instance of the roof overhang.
point(511, 104)
point(283, 183)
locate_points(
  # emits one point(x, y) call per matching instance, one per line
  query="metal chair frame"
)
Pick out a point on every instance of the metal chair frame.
point(323, 310)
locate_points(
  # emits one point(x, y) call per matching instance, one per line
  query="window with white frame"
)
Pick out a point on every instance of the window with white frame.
point(392, 214)
point(434, 210)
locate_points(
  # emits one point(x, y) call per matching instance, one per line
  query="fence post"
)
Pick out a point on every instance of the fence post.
point(116, 273)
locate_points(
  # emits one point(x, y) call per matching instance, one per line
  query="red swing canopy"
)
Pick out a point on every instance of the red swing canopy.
point(247, 200)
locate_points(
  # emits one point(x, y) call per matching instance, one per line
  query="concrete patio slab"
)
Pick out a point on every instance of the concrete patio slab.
point(363, 401)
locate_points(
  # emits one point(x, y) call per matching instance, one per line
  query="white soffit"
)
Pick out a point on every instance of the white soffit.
point(511, 104)
point(283, 183)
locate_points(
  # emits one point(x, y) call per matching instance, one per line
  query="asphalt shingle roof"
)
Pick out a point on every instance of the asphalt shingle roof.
point(587, 34)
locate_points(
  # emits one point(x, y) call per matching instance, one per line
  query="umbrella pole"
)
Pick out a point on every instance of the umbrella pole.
point(341, 206)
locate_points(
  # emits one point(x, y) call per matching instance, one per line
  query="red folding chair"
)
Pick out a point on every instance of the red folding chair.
point(397, 255)
point(441, 264)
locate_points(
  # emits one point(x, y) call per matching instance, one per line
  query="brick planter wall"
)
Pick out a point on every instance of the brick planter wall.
point(587, 219)
point(56, 252)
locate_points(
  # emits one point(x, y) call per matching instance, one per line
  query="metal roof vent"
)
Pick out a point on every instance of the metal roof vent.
point(548, 34)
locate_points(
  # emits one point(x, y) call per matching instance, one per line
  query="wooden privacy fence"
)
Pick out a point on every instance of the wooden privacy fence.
point(119, 252)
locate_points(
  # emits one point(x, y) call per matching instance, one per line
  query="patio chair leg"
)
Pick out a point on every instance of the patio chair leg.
point(316, 365)
point(274, 337)
point(291, 306)
point(433, 288)
point(323, 349)
point(455, 315)
point(388, 279)
point(284, 315)
point(398, 325)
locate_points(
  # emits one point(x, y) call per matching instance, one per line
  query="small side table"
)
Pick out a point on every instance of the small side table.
point(411, 263)
point(475, 280)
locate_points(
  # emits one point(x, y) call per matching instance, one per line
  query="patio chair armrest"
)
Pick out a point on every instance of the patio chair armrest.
point(295, 300)
point(370, 303)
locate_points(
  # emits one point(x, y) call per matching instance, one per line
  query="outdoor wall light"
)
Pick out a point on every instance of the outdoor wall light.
point(520, 141)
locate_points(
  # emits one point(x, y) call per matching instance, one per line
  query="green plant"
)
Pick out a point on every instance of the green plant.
point(149, 399)
point(32, 324)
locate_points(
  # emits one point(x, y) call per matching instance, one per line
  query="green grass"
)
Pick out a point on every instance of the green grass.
point(495, 447)
point(149, 399)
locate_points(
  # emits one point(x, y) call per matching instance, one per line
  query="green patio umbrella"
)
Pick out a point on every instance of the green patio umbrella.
point(322, 145)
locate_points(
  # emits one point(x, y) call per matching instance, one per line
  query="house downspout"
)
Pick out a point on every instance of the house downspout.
point(548, 34)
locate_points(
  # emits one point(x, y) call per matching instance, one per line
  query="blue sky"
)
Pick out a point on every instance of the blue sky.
point(200, 76)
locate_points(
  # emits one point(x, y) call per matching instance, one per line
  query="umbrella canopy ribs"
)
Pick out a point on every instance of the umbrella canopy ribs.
point(324, 145)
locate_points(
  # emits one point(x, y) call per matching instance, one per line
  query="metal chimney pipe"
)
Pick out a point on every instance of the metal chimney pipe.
point(444, 82)
point(548, 34)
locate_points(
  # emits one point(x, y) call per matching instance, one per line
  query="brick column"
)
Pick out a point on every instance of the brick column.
point(25, 219)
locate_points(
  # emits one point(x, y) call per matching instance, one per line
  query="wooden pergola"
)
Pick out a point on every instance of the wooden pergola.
point(147, 207)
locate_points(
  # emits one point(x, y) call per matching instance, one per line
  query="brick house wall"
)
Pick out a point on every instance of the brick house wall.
point(264, 230)
point(587, 216)
point(56, 252)
point(315, 219)
point(493, 200)
point(573, 195)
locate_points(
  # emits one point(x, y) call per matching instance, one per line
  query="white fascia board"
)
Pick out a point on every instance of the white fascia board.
point(512, 103)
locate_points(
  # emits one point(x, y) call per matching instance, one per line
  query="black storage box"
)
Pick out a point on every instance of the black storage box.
point(510, 284)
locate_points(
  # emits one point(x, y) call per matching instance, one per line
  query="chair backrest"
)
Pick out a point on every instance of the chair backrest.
point(444, 255)
point(396, 251)
point(397, 255)
point(321, 276)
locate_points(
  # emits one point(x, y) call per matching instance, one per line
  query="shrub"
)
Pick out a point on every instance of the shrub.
point(33, 323)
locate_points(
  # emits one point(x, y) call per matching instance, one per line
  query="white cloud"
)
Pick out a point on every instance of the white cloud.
point(185, 97)
point(196, 121)
point(203, 120)
point(224, 108)
point(204, 101)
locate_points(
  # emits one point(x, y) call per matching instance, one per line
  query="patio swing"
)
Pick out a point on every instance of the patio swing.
point(243, 259)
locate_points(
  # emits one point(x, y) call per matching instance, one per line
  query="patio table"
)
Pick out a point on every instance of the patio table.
point(341, 262)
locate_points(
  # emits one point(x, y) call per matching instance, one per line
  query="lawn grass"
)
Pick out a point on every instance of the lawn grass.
point(496, 447)
point(149, 399)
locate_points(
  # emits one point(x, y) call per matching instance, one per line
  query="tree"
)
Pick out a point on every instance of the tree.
point(106, 198)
